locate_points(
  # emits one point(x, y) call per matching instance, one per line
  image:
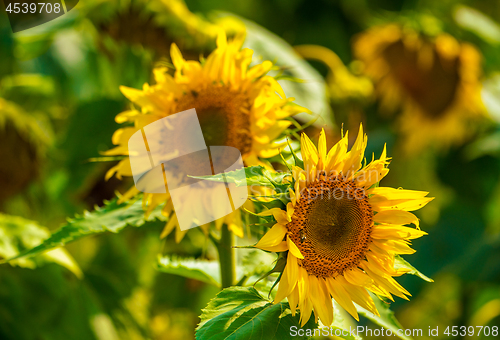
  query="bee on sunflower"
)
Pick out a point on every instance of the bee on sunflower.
point(434, 79)
point(341, 231)
point(237, 105)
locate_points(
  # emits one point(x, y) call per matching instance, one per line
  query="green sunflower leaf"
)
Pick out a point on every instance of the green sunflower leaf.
point(254, 175)
point(18, 234)
point(242, 313)
point(400, 263)
point(298, 162)
point(342, 326)
point(111, 217)
point(386, 318)
point(201, 270)
point(254, 264)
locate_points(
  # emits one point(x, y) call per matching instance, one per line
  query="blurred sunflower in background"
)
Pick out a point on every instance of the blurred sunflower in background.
point(20, 165)
point(154, 25)
point(435, 80)
point(237, 105)
point(342, 232)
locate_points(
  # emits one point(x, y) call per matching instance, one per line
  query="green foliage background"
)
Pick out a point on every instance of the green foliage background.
point(122, 281)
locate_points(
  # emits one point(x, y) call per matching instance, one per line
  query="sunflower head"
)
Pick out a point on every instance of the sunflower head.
point(434, 79)
point(154, 24)
point(341, 231)
point(237, 105)
point(22, 148)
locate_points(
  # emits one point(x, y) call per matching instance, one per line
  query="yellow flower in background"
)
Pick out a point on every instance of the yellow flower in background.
point(237, 105)
point(435, 80)
point(341, 231)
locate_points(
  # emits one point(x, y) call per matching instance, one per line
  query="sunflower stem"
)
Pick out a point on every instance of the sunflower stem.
point(227, 258)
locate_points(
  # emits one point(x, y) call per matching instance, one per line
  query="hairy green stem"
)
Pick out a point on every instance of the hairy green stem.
point(227, 257)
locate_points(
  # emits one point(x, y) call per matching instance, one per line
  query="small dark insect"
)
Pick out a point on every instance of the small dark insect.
point(302, 234)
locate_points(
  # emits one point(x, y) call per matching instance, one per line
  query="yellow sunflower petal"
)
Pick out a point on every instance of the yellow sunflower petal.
point(380, 203)
point(176, 56)
point(322, 149)
point(171, 224)
point(259, 70)
point(392, 193)
point(309, 152)
point(305, 311)
point(357, 277)
point(285, 287)
point(303, 284)
point(277, 248)
point(341, 296)
point(391, 231)
point(279, 215)
point(359, 295)
point(293, 248)
point(396, 217)
point(355, 156)
point(273, 237)
point(293, 300)
point(179, 234)
point(398, 246)
point(128, 195)
point(136, 96)
point(236, 228)
point(293, 268)
point(336, 155)
point(388, 283)
point(321, 300)
point(374, 172)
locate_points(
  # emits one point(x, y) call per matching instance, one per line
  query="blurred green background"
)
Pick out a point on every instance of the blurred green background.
point(59, 94)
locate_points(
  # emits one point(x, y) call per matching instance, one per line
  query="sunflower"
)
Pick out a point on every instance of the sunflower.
point(435, 80)
point(154, 24)
point(342, 232)
point(237, 106)
point(22, 148)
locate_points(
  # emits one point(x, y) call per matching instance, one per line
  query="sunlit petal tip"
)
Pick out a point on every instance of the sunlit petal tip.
point(273, 237)
point(293, 197)
point(289, 210)
point(176, 55)
point(305, 311)
point(280, 247)
point(383, 156)
point(342, 297)
point(322, 146)
point(221, 39)
point(293, 248)
point(293, 300)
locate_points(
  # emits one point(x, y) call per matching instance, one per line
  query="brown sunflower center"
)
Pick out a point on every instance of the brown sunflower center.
point(331, 226)
point(224, 120)
point(223, 115)
point(432, 88)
